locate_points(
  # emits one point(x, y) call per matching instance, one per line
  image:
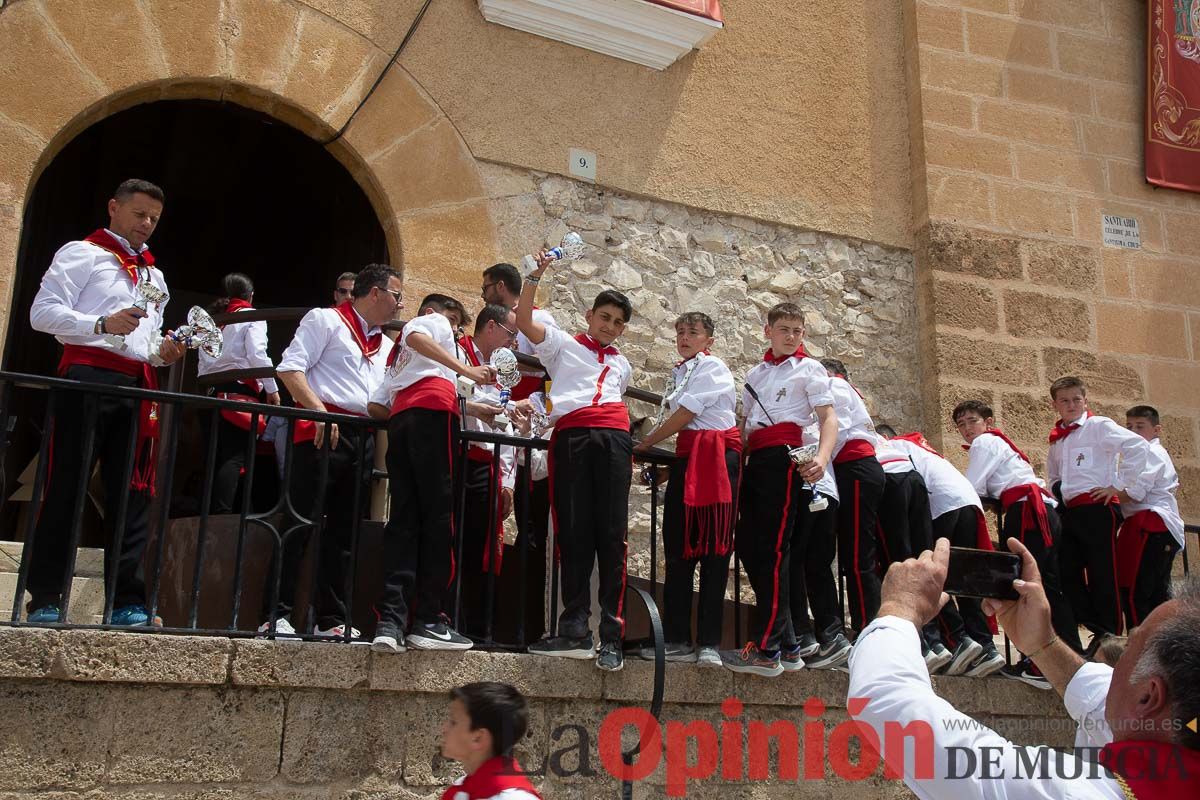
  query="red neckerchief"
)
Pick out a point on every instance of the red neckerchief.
point(594, 346)
point(918, 438)
point(368, 344)
point(1006, 440)
point(468, 346)
point(679, 364)
point(770, 357)
point(493, 777)
point(1154, 770)
point(1061, 431)
point(129, 262)
point(236, 304)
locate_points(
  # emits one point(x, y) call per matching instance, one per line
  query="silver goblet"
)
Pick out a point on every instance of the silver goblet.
point(570, 249)
point(147, 293)
point(200, 333)
point(804, 454)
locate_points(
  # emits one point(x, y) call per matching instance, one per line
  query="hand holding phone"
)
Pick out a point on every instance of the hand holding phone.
point(982, 573)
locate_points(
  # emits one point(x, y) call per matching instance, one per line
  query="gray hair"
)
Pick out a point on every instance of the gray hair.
point(1173, 654)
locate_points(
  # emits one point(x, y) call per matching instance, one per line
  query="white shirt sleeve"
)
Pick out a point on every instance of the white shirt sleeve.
point(1085, 699)
point(551, 346)
point(1132, 475)
point(256, 353)
point(986, 453)
point(816, 383)
point(435, 326)
point(1052, 474)
point(886, 668)
point(312, 335)
point(53, 310)
point(708, 385)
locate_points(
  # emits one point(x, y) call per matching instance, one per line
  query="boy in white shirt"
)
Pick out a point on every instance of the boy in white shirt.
point(701, 498)
point(1152, 532)
point(785, 393)
point(591, 467)
point(1092, 459)
point(419, 399)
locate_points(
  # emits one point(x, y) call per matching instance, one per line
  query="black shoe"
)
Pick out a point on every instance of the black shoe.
point(833, 654)
point(989, 661)
point(808, 645)
point(964, 656)
point(753, 661)
point(611, 658)
point(564, 647)
point(388, 639)
point(437, 636)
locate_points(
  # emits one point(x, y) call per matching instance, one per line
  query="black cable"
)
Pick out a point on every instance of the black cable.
point(403, 43)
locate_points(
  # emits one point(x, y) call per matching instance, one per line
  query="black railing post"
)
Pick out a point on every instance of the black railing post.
point(239, 554)
point(362, 472)
point(490, 545)
point(206, 491)
point(90, 413)
point(35, 506)
point(166, 482)
point(524, 535)
point(113, 556)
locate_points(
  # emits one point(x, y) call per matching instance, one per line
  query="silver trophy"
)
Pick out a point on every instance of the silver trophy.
point(200, 333)
point(147, 293)
point(804, 454)
point(504, 361)
point(570, 249)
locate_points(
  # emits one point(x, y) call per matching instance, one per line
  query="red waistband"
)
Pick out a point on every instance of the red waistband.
point(106, 359)
point(1015, 494)
point(479, 454)
point(432, 392)
point(853, 450)
point(1146, 520)
point(782, 433)
point(1086, 499)
point(687, 440)
point(306, 429)
point(605, 415)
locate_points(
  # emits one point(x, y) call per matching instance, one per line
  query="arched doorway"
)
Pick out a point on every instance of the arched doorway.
point(245, 193)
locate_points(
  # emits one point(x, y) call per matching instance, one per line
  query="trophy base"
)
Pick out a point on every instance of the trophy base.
point(116, 341)
point(819, 503)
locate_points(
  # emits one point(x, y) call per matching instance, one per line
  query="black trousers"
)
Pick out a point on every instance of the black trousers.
point(772, 505)
point(1152, 584)
point(812, 583)
point(533, 535)
point(478, 533)
point(333, 551)
point(590, 471)
point(231, 455)
point(961, 527)
point(714, 569)
point(1087, 562)
point(1046, 556)
point(419, 539)
point(50, 554)
point(860, 487)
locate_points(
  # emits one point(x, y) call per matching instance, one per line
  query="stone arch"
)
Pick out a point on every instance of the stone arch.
point(64, 64)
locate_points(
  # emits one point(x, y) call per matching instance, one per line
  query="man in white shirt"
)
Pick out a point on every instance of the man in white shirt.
point(334, 362)
point(86, 301)
point(1138, 713)
point(343, 288)
point(1092, 459)
point(1153, 530)
point(998, 469)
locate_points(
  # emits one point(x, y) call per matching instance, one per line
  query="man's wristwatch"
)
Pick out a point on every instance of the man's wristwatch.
point(99, 329)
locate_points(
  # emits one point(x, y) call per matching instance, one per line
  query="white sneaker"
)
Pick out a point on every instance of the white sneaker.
point(339, 632)
point(708, 657)
point(283, 629)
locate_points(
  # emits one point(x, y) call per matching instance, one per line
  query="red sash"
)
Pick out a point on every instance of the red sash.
point(983, 541)
point(145, 463)
point(306, 429)
point(368, 344)
point(783, 433)
point(709, 505)
point(432, 392)
point(1154, 770)
point(241, 419)
point(604, 415)
point(493, 777)
point(854, 450)
point(129, 263)
point(1061, 431)
point(1086, 499)
point(1033, 513)
point(1131, 540)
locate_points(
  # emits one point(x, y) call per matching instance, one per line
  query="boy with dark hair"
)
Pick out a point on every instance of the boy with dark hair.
point(860, 482)
point(484, 723)
point(1152, 532)
point(700, 504)
point(591, 465)
point(785, 393)
point(1092, 458)
point(418, 397)
point(998, 469)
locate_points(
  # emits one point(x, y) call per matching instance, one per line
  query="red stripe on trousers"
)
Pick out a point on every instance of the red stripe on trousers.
point(862, 598)
point(1112, 546)
point(450, 450)
point(787, 503)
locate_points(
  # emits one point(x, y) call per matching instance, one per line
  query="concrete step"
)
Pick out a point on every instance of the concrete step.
point(89, 561)
point(87, 599)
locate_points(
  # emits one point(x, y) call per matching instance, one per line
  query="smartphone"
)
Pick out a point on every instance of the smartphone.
point(982, 573)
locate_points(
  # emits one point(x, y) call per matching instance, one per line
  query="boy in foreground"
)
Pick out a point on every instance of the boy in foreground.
point(483, 725)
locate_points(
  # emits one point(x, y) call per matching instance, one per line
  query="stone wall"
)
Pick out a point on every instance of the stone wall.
point(97, 715)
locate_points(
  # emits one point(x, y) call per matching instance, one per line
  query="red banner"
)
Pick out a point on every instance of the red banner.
point(701, 8)
point(1173, 96)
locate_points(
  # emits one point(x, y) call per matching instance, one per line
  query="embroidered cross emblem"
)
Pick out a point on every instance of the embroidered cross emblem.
point(1079, 459)
point(780, 394)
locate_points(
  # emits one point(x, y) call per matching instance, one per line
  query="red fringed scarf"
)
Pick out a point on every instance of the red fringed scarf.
point(709, 499)
point(1154, 770)
point(493, 777)
point(129, 262)
point(368, 344)
point(1061, 431)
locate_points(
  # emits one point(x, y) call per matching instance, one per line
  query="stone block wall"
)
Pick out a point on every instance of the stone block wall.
point(92, 715)
point(1028, 120)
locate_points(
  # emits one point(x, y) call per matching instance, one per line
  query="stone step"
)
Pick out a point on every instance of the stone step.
point(87, 599)
point(89, 561)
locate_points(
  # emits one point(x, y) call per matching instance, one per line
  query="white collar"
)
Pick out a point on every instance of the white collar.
point(125, 243)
